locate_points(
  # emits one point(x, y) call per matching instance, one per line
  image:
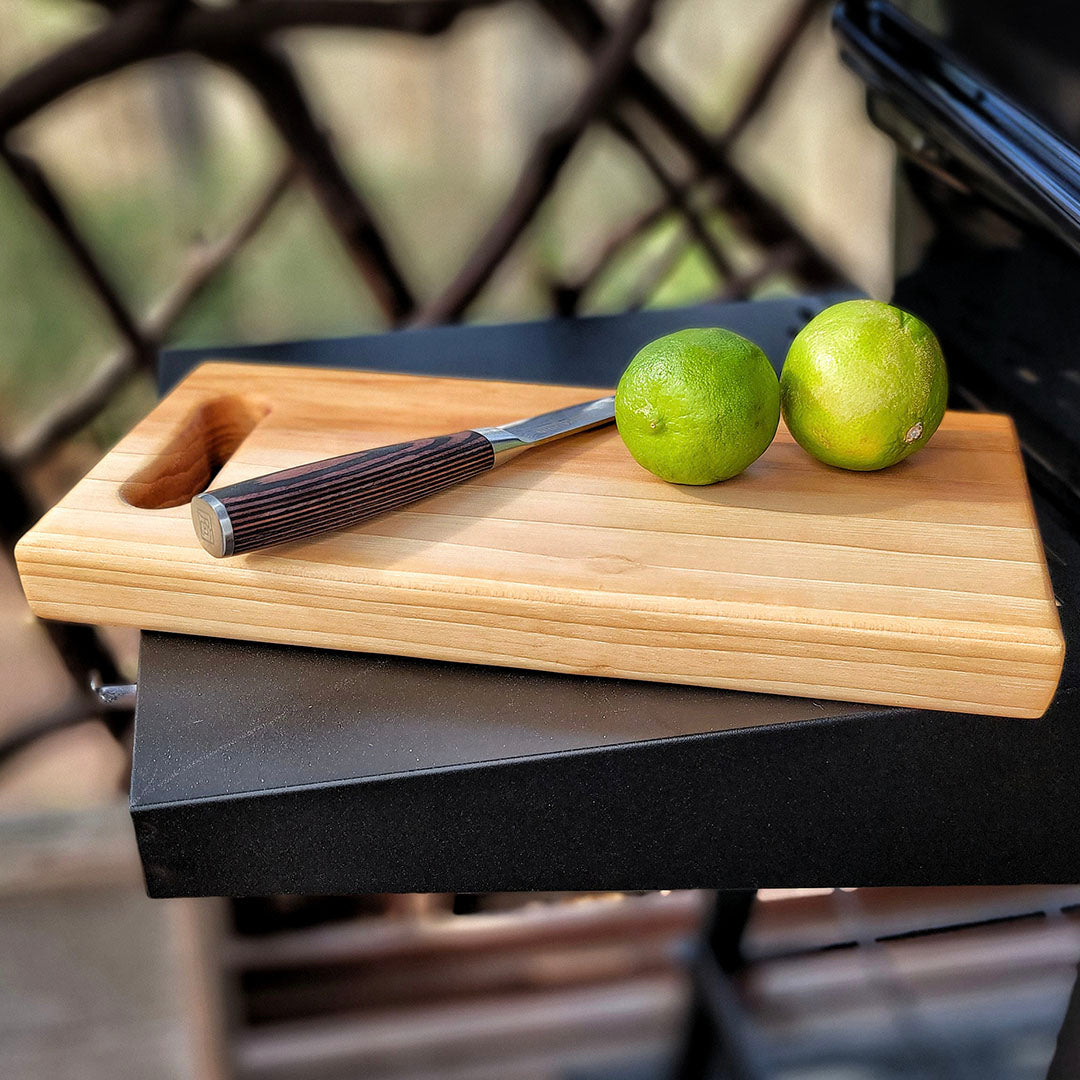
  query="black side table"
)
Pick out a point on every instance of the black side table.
point(265, 769)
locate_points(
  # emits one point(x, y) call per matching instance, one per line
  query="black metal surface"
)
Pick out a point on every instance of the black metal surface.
point(978, 133)
point(261, 769)
point(576, 352)
point(220, 719)
point(231, 741)
point(987, 252)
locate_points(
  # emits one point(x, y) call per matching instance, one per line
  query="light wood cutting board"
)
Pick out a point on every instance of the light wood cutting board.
point(921, 585)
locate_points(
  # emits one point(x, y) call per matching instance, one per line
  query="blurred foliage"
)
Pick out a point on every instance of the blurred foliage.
point(50, 323)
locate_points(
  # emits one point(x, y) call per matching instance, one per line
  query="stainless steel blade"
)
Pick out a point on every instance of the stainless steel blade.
point(535, 430)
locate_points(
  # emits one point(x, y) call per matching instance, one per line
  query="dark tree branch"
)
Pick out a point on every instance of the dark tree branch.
point(40, 192)
point(658, 271)
point(242, 24)
point(677, 192)
point(137, 32)
point(629, 231)
point(767, 75)
point(755, 98)
point(144, 29)
point(782, 257)
point(542, 168)
point(79, 710)
point(758, 216)
point(26, 734)
point(585, 25)
point(113, 5)
point(206, 262)
point(272, 76)
point(72, 415)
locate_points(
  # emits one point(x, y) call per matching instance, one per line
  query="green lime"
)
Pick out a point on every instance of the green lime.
point(698, 406)
point(864, 385)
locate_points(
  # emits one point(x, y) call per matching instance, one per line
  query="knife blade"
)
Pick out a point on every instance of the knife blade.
point(307, 500)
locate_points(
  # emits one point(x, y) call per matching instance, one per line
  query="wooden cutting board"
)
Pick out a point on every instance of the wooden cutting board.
point(921, 585)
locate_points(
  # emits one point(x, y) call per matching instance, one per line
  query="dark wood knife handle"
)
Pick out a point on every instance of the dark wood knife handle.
point(298, 503)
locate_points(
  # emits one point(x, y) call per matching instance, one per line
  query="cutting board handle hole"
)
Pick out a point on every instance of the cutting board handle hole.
point(195, 454)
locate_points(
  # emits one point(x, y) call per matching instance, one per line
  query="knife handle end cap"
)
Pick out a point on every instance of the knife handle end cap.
point(212, 525)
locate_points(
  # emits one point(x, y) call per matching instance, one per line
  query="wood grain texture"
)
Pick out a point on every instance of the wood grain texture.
point(921, 585)
point(301, 502)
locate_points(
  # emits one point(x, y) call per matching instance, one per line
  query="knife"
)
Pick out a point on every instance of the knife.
point(307, 500)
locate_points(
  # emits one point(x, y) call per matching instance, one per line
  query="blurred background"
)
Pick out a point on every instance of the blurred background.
point(198, 199)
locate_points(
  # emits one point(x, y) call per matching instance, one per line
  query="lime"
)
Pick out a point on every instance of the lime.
point(698, 406)
point(864, 385)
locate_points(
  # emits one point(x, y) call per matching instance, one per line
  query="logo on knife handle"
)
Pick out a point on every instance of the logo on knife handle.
point(204, 521)
point(212, 525)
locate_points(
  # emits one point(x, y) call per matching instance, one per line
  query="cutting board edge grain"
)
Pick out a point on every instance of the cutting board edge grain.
point(1008, 665)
